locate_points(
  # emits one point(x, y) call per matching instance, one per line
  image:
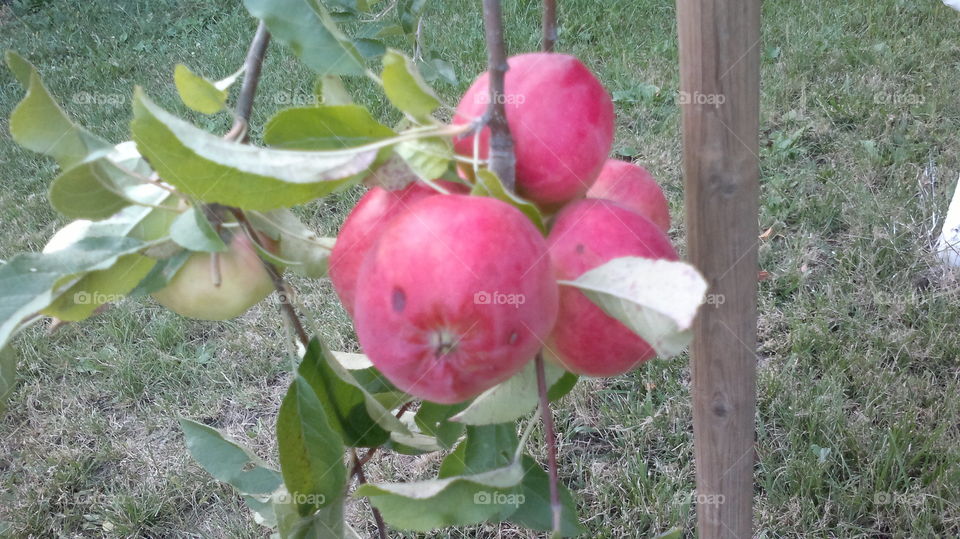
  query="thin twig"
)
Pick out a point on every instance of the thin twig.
point(551, 435)
point(373, 450)
point(251, 77)
point(549, 25)
point(362, 478)
point(502, 158)
point(283, 289)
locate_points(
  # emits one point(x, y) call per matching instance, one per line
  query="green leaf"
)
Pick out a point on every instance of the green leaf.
point(488, 184)
point(197, 92)
point(191, 230)
point(330, 91)
point(359, 419)
point(433, 419)
point(406, 89)
point(369, 48)
point(97, 288)
point(324, 128)
point(410, 13)
point(228, 461)
point(8, 376)
point(311, 453)
point(657, 299)
point(39, 124)
point(562, 386)
point(102, 185)
point(436, 69)
point(428, 158)
point(509, 400)
point(326, 523)
point(212, 169)
point(485, 448)
point(305, 252)
point(535, 511)
point(307, 28)
point(27, 280)
point(453, 501)
point(161, 274)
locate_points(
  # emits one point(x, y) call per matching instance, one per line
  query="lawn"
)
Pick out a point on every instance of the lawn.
point(859, 358)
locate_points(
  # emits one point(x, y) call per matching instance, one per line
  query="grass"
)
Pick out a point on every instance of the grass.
point(859, 374)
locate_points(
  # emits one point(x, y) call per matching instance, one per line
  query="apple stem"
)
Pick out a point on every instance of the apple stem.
point(549, 25)
point(551, 435)
point(502, 158)
point(361, 479)
point(251, 77)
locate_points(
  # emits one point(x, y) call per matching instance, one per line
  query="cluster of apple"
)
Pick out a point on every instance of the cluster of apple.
point(452, 294)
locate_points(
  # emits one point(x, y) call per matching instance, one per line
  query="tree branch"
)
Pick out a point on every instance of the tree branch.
point(551, 434)
point(251, 77)
point(502, 158)
point(283, 289)
point(549, 25)
point(362, 478)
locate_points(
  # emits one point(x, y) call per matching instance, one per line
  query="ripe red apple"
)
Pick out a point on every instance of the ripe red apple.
point(362, 227)
point(634, 187)
point(243, 282)
point(562, 123)
point(585, 235)
point(455, 297)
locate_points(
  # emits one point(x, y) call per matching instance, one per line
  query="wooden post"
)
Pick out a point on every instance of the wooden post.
point(719, 95)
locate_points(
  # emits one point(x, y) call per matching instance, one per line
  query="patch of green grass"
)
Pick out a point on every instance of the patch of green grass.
point(858, 357)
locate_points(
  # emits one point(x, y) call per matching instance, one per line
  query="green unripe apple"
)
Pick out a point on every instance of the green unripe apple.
point(244, 282)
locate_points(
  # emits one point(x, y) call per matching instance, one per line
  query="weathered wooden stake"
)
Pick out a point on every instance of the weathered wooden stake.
point(719, 95)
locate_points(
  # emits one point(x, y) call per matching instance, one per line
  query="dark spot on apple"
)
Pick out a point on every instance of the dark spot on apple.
point(580, 248)
point(513, 337)
point(399, 300)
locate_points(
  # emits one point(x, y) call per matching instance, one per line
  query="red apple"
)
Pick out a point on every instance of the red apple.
point(362, 228)
point(587, 234)
point(455, 297)
point(634, 187)
point(243, 283)
point(562, 123)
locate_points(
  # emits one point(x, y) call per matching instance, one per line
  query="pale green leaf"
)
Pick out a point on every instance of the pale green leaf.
point(228, 461)
point(197, 92)
point(191, 230)
point(39, 124)
point(406, 89)
point(311, 453)
point(307, 28)
point(212, 169)
point(326, 523)
point(438, 503)
point(27, 281)
point(657, 299)
point(488, 184)
point(97, 288)
point(303, 250)
point(509, 400)
point(324, 128)
point(8, 376)
point(535, 511)
point(428, 158)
